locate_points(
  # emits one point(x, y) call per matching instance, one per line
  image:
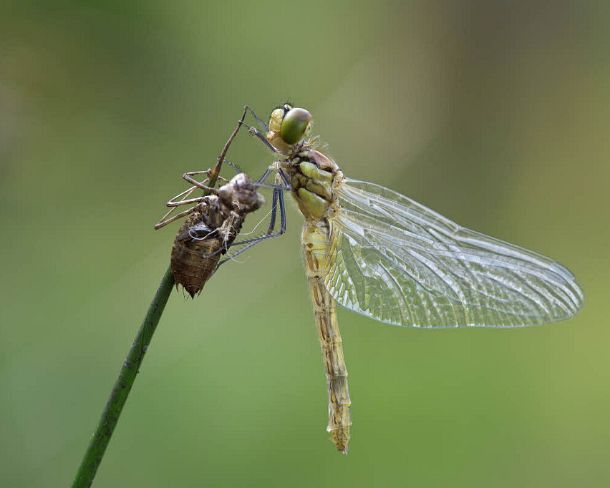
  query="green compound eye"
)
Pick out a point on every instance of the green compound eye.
point(294, 125)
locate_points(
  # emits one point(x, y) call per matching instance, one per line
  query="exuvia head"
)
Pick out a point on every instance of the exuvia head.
point(241, 191)
point(288, 126)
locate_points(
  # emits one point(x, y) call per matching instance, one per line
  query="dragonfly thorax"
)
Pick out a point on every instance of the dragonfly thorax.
point(313, 178)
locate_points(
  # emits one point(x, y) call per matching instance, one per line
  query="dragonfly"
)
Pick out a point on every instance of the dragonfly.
point(380, 254)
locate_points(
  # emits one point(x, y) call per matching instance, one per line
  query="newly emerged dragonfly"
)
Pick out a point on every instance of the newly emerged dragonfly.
point(387, 257)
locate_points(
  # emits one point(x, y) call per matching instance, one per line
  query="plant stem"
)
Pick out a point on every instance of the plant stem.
point(122, 387)
point(112, 411)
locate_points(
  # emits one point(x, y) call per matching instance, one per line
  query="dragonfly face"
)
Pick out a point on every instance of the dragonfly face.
point(288, 125)
point(387, 257)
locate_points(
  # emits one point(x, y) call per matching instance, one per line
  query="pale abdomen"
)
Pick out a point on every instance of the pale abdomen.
point(315, 239)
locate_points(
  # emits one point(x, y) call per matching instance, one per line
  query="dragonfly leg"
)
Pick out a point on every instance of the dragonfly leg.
point(189, 176)
point(278, 200)
point(172, 202)
point(178, 201)
point(202, 184)
point(164, 220)
point(253, 131)
point(285, 180)
point(264, 176)
point(261, 124)
point(283, 185)
point(213, 174)
point(234, 166)
point(273, 211)
point(181, 199)
point(262, 130)
point(267, 235)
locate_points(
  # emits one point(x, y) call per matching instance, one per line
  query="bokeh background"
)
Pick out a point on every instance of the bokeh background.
point(495, 114)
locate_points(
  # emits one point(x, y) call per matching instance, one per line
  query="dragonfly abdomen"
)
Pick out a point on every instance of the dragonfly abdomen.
point(315, 240)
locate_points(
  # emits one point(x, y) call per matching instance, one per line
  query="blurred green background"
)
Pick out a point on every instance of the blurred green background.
point(495, 114)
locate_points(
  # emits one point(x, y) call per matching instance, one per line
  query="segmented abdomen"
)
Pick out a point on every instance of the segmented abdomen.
point(193, 261)
point(315, 239)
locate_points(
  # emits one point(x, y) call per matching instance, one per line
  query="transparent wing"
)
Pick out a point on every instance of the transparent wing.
point(396, 261)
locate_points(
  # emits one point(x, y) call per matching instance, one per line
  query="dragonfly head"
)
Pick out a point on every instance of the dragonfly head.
point(288, 126)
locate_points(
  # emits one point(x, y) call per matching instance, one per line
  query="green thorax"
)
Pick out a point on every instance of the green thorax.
point(314, 178)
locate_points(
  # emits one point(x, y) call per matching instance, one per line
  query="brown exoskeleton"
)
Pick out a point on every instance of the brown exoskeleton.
point(215, 219)
point(210, 228)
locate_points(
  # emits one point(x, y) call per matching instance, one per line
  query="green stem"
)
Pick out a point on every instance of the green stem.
point(122, 387)
point(110, 416)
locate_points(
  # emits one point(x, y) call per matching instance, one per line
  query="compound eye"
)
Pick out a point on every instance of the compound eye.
point(295, 125)
point(275, 120)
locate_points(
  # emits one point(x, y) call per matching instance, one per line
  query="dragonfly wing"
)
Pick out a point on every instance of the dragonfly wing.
point(399, 262)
